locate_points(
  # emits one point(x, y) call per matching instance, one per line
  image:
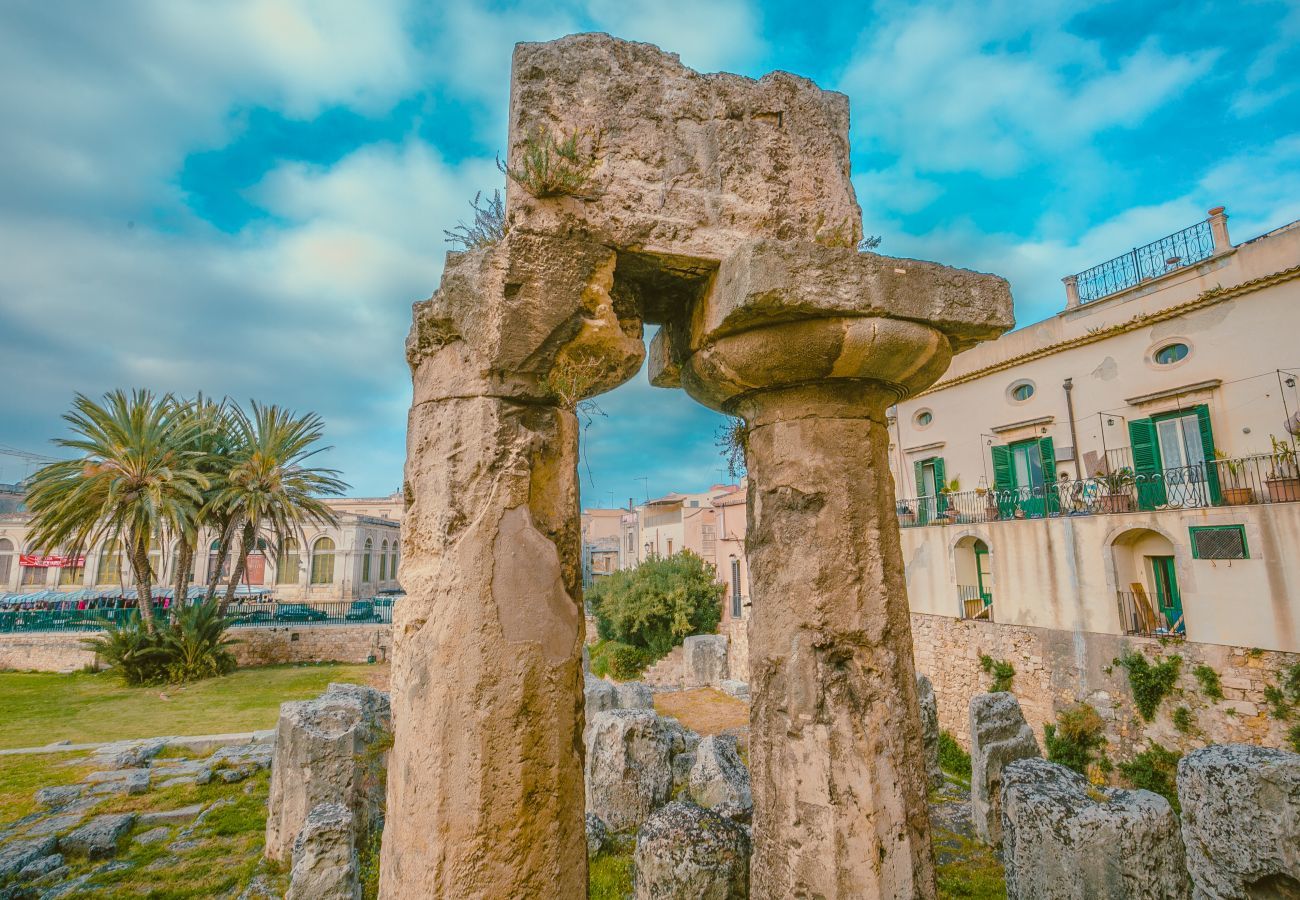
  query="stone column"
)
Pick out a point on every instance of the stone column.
point(1071, 283)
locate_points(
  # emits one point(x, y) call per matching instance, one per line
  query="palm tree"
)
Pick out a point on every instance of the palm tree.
point(266, 487)
point(135, 480)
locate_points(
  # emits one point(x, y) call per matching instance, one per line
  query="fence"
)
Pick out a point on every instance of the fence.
point(1182, 248)
point(56, 617)
point(1270, 478)
point(974, 603)
point(1139, 616)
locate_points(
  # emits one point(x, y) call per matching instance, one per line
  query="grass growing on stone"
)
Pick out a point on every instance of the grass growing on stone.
point(969, 870)
point(22, 776)
point(41, 708)
point(609, 875)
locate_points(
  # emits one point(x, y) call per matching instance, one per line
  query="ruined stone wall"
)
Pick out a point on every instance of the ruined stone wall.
point(44, 652)
point(1056, 669)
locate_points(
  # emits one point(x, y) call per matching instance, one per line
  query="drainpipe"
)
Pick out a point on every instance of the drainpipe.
point(1074, 435)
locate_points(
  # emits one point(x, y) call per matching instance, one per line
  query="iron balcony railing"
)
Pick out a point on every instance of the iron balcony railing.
point(64, 616)
point(1182, 248)
point(974, 603)
point(1224, 482)
point(1150, 616)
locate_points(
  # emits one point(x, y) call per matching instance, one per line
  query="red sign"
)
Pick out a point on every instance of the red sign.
point(32, 561)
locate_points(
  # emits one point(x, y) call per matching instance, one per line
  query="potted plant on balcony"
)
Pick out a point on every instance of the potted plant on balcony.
point(950, 512)
point(1118, 497)
point(1283, 479)
point(1235, 489)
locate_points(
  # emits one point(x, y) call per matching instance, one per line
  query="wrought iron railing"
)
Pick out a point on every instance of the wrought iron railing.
point(1223, 482)
point(974, 603)
point(57, 615)
point(1182, 248)
point(1150, 616)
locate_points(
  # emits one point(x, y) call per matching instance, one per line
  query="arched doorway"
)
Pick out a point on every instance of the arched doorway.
point(974, 578)
point(1146, 581)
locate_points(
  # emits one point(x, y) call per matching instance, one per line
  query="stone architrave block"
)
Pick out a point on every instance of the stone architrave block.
point(629, 772)
point(1241, 821)
point(325, 864)
point(719, 780)
point(328, 750)
point(929, 728)
point(704, 660)
point(999, 735)
point(1063, 839)
point(685, 851)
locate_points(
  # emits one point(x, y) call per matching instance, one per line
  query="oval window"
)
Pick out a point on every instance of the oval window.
point(1171, 353)
point(924, 418)
point(1022, 391)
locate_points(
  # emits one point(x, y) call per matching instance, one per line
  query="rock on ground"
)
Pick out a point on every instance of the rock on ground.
point(929, 728)
point(597, 834)
point(1063, 839)
point(16, 855)
point(738, 689)
point(599, 695)
point(629, 771)
point(704, 660)
point(999, 735)
point(634, 695)
point(127, 754)
point(719, 780)
point(327, 750)
point(325, 865)
point(1241, 821)
point(98, 838)
point(686, 852)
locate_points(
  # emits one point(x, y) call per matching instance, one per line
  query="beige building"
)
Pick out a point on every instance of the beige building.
point(358, 557)
point(1127, 466)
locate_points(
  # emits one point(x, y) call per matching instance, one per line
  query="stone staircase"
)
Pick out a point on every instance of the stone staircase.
point(667, 672)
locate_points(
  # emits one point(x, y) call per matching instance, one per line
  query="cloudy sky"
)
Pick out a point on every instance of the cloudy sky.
point(244, 198)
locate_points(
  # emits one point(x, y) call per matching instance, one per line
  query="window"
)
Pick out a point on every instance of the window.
point(72, 574)
point(1021, 391)
point(708, 536)
point(6, 560)
point(923, 418)
point(670, 546)
point(1170, 455)
point(392, 563)
point(383, 562)
point(365, 561)
point(110, 564)
point(736, 610)
point(1219, 542)
point(286, 564)
point(1171, 353)
point(33, 575)
point(322, 561)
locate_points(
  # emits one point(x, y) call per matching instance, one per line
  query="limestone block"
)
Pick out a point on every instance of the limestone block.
point(929, 728)
point(685, 851)
point(719, 780)
point(597, 834)
point(599, 695)
point(704, 660)
point(99, 837)
point(735, 688)
point(16, 855)
point(325, 865)
point(327, 750)
point(999, 735)
point(1066, 840)
point(39, 867)
point(1241, 821)
point(127, 754)
point(629, 771)
point(634, 695)
point(688, 164)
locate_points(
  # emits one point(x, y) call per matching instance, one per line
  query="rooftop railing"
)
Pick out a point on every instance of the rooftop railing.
point(1175, 251)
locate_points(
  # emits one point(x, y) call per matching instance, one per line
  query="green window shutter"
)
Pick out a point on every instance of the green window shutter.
point(920, 477)
point(1146, 463)
point(1004, 478)
point(941, 482)
point(1052, 499)
point(1207, 445)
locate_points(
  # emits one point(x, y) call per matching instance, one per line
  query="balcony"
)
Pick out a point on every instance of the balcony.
point(1145, 616)
point(1172, 252)
point(1264, 479)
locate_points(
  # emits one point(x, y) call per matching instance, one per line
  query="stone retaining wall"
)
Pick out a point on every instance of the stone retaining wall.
point(1056, 669)
point(63, 652)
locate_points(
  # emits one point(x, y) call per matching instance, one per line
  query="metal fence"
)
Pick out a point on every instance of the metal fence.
point(1250, 480)
point(1182, 248)
point(1140, 614)
point(974, 603)
point(64, 616)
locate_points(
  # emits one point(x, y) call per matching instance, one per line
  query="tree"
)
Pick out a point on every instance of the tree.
point(658, 603)
point(135, 480)
point(209, 440)
point(267, 487)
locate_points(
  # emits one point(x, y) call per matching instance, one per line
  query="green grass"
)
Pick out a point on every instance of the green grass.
point(41, 708)
point(609, 876)
point(22, 776)
point(969, 869)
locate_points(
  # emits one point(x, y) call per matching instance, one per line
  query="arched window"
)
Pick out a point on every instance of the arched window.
point(392, 563)
point(286, 564)
point(383, 562)
point(365, 561)
point(72, 573)
point(214, 554)
point(34, 575)
point(110, 564)
point(322, 561)
point(6, 560)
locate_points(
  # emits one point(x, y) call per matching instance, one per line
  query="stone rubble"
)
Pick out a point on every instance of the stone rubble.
point(98, 838)
point(999, 735)
point(630, 765)
point(325, 856)
point(929, 728)
point(687, 852)
point(719, 780)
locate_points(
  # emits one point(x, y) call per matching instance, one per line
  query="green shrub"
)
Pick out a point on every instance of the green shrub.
point(1278, 707)
point(192, 647)
point(1209, 680)
point(551, 167)
point(1001, 670)
point(134, 654)
point(658, 603)
point(368, 862)
point(1183, 720)
point(1293, 737)
point(952, 758)
point(1155, 769)
point(1075, 738)
point(1150, 682)
point(618, 660)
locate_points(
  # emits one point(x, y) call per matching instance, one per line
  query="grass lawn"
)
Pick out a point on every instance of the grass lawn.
point(40, 708)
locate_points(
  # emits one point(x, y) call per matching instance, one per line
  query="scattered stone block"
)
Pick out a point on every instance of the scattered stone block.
point(686, 851)
point(55, 824)
point(154, 835)
point(325, 863)
point(634, 695)
point(597, 834)
point(57, 797)
point(929, 728)
point(719, 780)
point(98, 838)
point(999, 735)
point(171, 816)
point(128, 754)
point(704, 660)
point(1241, 821)
point(737, 689)
point(1063, 839)
point(630, 765)
point(599, 695)
point(39, 867)
point(328, 750)
point(234, 763)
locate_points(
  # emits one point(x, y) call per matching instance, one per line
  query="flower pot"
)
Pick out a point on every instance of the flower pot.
point(1116, 503)
point(1281, 490)
point(1238, 496)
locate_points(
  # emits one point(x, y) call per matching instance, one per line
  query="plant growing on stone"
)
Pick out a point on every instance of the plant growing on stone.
point(488, 227)
point(952, 758)
point(1001, 670)
point(1209, 680)
point(1278, 707)
point(869, 243)
point(1076, 737)
point(1150, 682)
point(1293, 737)
point(655, 605)
point(1155, 769)
point(1183, 720)
point(555, 167)
point(574, 377)
point(732, 441)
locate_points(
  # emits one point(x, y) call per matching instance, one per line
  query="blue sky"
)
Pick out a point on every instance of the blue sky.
point(246, 197)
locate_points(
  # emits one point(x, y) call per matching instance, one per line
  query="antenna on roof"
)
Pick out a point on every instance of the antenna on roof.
point(645, 485)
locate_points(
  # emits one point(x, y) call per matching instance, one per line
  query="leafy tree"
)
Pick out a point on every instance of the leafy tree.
point(134, 481)
point(658, 603)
